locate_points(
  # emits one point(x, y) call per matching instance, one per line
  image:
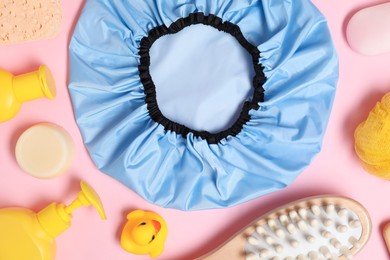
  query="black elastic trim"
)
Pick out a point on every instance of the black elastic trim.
point(150, 89)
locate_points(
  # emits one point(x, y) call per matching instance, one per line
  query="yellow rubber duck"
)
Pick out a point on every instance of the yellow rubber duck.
point(372, 140)
point(144, 233)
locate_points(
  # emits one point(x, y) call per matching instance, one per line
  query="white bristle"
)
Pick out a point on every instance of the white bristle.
point(280, 233)
point(310, 239)
point(268, 240)
point(353, 240)
point(316, 210)
point(275, 258)
point(327, 222)
point(249, 230)
point(251, 256)
point(263, 253)
point(330, 208)
point(342, 228)
point(342, 212)
point(313, 222)
point(291, 229)
point(301, 257)
point(326, 234)
point(354, 223)
point(272, 223)
point(346, 252)
point(325, 251)
point(294, 243)
point(303, 213)
point(260, 230)
point(278, 248)
point(290, 258)
point(302, 225)
point(294, 216)
point(284, 220)
point(253, 241)
point(313, 255)
point(335, 243)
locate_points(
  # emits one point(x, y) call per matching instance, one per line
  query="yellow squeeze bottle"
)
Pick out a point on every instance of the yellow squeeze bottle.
point(26, 235)
point(15, 90)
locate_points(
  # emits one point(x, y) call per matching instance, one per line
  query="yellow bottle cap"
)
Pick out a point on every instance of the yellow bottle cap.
point(47, 82)
point(34, 85)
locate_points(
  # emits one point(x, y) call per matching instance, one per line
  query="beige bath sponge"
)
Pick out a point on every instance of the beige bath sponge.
point(26, 20)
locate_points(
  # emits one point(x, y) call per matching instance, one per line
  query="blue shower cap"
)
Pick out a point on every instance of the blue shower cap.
point(116, 76)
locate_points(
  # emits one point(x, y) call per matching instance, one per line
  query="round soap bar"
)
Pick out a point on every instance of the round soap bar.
point(45, 150)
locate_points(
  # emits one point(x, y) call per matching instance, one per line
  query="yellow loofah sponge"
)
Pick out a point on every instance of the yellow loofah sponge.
point(25, 20)
point(372, 140)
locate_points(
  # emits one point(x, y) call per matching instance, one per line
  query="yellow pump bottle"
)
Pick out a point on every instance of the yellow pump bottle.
point(15, 90)
point(26, 235)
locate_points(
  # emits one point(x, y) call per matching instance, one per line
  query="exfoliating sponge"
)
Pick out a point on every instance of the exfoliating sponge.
point(368, 31)
point(28, 20)
point(372, 140)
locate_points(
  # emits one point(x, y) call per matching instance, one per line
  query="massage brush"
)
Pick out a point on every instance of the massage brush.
point(26, 20)
point(325, 227)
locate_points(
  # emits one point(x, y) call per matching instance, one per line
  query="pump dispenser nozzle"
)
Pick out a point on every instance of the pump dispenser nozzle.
point(56, 218)
point(87, 196)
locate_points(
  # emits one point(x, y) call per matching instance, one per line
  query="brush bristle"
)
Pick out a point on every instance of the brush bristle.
point(325, 231)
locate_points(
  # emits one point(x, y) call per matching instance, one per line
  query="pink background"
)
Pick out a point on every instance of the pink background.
point(336, 170)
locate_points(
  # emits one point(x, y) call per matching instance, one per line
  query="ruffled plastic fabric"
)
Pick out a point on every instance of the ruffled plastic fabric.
point(187, 171)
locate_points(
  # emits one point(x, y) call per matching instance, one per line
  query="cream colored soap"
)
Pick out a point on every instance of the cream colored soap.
point(45, 151)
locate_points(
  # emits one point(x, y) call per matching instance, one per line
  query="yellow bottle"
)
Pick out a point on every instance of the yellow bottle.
point(15, 90)
point(26, 235)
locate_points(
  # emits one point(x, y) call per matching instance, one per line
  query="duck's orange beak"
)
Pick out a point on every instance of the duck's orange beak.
point(157, 225)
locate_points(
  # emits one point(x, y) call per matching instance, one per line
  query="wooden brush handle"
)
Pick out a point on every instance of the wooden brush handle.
point(386, 235)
